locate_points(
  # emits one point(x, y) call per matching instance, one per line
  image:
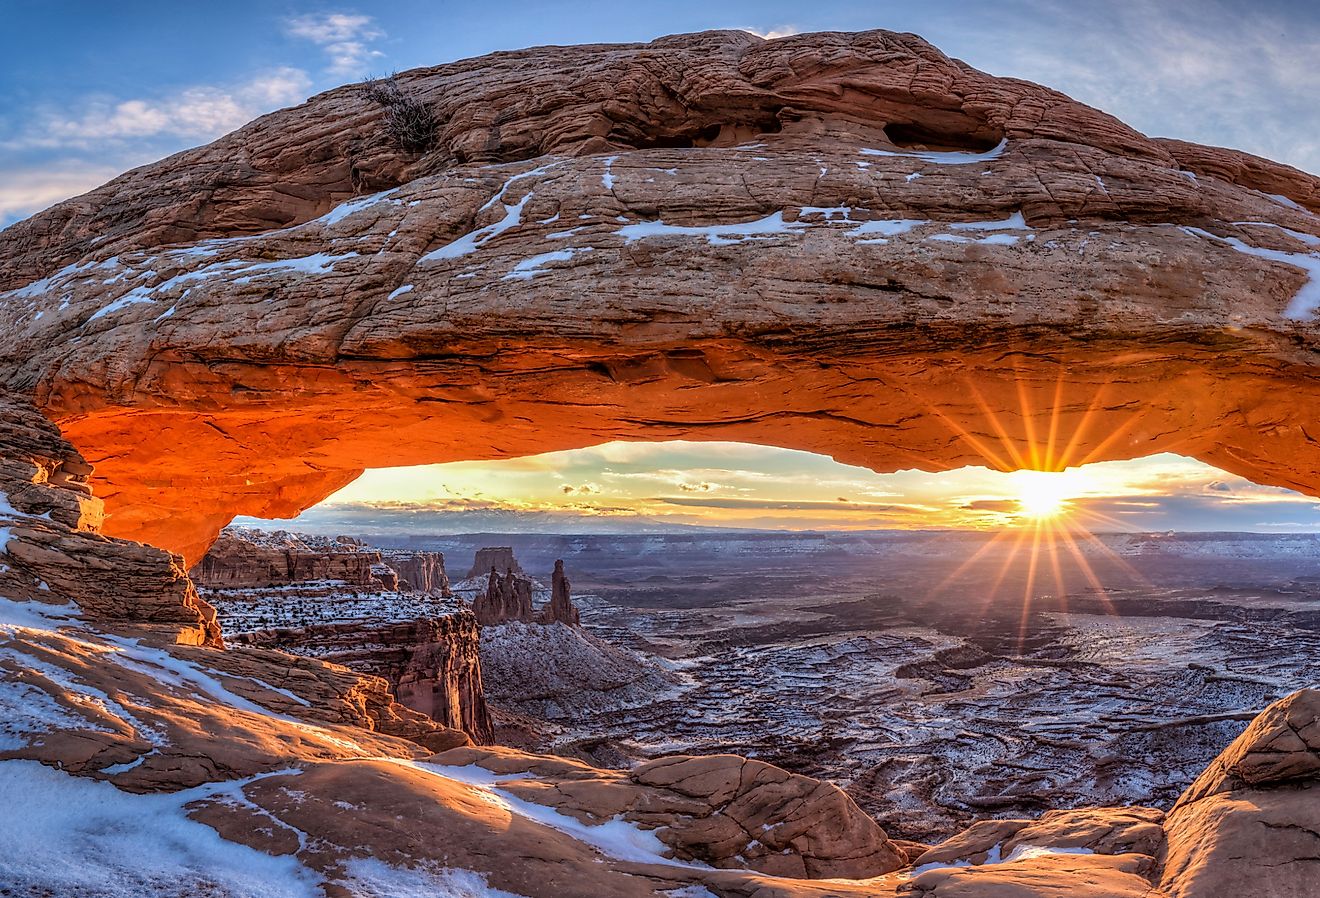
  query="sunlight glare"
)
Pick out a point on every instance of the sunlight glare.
point(1046, 494)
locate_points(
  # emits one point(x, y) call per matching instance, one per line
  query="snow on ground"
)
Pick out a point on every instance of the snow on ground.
point(993, 857)
point(530, 268)
point(344, 210)
point(616, 837)
point(371, 878)
point(554, 671)
point(474, 240)
point(66, 835)
point(317, 263)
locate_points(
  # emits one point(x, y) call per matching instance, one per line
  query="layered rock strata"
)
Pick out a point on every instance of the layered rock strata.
point(494, 558)
point(244, 558)
point(422, 572)
point(433, 665)
point(51, 548)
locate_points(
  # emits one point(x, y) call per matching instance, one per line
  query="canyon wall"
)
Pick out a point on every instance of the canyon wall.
point(419, 571)
point(433, 664)
point(251, 558)
point(245, 558)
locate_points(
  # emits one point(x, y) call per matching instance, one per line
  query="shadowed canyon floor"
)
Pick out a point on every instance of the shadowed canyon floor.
point(841, 242)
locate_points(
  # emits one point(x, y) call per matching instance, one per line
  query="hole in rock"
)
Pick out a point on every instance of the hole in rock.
point(978, 643)
point(715, 134)
point(922, 137)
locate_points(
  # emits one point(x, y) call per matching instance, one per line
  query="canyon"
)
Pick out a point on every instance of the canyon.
point(846, 243)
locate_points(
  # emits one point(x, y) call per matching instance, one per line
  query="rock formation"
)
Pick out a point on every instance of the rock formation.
point(507, 598)
point(494, 558)
point(561, 608)
point(419, 571)
point(245, 558)
point(51, 549)
point(433, 665)
point(843, 243)
point(241, 559)
point(1250, 824)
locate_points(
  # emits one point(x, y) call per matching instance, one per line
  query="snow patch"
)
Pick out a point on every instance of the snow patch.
point(716, 235)
point(885, 228)
point(1307, 300)
point(530, 268)
point(66, 835)
point(616, 837)
point(953, 157)
point(1014, 222)
point(373, 878)
point(344, 210)
point(474, 240)
point(400, 291)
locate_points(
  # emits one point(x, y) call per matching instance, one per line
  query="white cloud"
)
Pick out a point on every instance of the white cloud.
point(344, 37)
point(200, 112)
point(25, 191)
point(773, 33)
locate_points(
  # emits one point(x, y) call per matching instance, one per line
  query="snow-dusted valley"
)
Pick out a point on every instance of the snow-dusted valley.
point(883, 662)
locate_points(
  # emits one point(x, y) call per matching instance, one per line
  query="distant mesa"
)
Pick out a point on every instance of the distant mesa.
point(499, 558)
point(508, 596)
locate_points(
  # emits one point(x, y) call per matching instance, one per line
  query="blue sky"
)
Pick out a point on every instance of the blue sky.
point(92, 89)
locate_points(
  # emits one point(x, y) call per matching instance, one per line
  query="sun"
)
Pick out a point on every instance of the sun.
point(1045, 494)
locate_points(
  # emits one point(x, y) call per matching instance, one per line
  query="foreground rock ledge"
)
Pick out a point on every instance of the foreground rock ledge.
point(845, 243)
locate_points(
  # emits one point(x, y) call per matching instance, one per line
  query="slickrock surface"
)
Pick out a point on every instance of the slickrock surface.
point(1250, 824)
point(845, 243)
point(722, 810)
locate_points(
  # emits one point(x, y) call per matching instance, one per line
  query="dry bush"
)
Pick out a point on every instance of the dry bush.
point(410, 123)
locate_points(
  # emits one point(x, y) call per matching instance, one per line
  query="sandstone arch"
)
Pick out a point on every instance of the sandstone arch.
point(707, 237)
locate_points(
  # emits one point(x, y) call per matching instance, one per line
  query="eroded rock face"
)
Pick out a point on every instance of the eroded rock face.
point(419, 571)
point(241, 559)
point(51, 549)
point(844, 243)
point(433, 665)
point(561, 608)
point(1250, 824)
point(494, 558)
point(507, 598)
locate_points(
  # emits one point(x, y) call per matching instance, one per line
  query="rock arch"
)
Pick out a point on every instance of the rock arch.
point(873, 252)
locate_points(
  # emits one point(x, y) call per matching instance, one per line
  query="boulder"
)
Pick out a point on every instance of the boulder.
point(1250, 824)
